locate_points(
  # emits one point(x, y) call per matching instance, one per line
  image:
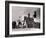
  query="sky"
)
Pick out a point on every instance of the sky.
point(22, 11)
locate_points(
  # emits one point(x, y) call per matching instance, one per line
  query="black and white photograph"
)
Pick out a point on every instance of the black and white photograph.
point(25, 18)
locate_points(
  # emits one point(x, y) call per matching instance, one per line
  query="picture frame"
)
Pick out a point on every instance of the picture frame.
point(7, 16)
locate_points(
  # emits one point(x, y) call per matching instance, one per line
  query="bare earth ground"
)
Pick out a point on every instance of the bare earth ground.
point(25, 29)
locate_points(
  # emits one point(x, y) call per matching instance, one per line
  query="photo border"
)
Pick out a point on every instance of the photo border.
point(7, 18)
